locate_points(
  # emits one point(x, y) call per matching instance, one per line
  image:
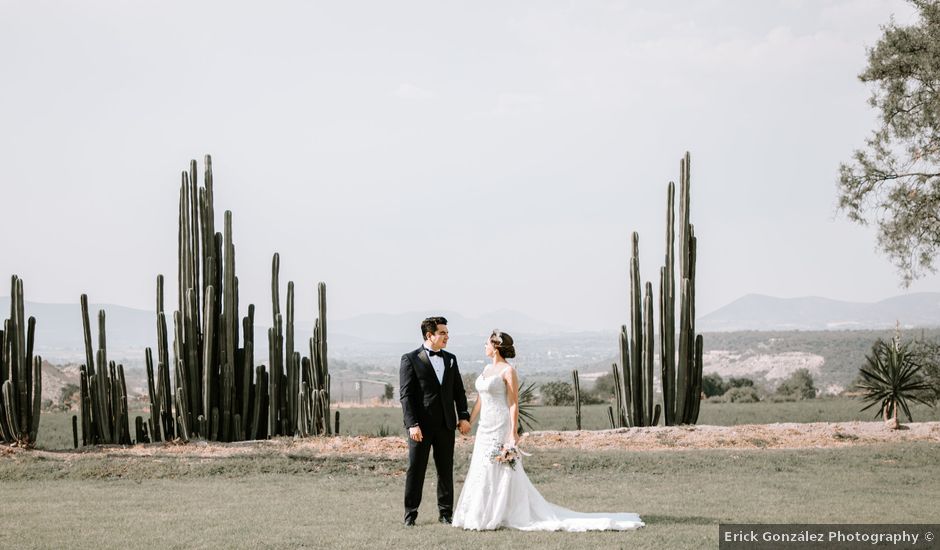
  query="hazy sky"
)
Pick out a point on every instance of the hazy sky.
point(466, 156)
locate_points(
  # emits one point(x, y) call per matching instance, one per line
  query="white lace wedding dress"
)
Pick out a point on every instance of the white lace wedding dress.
point(496, 495)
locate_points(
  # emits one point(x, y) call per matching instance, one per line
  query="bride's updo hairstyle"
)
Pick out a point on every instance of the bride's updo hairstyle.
point(503, 344)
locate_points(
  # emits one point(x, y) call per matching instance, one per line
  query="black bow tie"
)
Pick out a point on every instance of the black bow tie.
point(432, 353)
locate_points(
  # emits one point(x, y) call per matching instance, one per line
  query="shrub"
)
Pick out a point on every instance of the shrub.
point(799, 385)
point(68, 399)
point(742, 394)
point(892, 378)
point(557, 393)
point(778, 398)
point(927, 355)
point(604, 386)
point(713, 385)
point(592, 398)
point(734, 382)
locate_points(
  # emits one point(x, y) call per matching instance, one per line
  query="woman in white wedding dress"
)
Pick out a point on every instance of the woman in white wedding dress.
point(497, 495)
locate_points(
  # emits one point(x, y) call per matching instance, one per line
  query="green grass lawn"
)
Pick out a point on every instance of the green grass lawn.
point(284, 500)
point(55, 430)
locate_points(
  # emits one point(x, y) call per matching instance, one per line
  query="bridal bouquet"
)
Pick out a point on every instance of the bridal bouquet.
point(506, 454)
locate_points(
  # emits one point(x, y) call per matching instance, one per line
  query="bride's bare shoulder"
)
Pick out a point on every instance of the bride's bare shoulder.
point(508, 371)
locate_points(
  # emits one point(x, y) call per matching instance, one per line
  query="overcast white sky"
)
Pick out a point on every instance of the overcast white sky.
point(416, 155)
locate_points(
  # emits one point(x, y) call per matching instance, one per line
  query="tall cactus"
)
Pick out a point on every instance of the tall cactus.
point(635, 396)
point(577, 399)
point(274, 351)
point(322, 363)
point(103, 402)
point(680, 376)
point(152, 394)
point(315, 377)
point(626, 381)
point(636, 334)
point(247, 369)
point(217, 395)
point(211, 392)
point(667, 312)
point(688, 381)
point(20, 374)
point(164, 413)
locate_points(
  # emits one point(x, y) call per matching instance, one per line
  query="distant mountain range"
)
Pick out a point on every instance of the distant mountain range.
point(59, 330)
point(129, 330)
point(758, 312)
point(405, 327)
point(59, 326)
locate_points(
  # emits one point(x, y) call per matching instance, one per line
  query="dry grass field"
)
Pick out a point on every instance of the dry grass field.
point(346, 492)
point(815, 462)
point(56, 429)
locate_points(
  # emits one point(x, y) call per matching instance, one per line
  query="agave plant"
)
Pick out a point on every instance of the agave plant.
point(526, 404)
point(891, 379)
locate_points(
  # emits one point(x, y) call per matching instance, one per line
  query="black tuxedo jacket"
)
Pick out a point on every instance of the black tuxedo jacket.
point(425, 402)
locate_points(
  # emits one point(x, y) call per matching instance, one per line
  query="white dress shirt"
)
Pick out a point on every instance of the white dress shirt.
point(438, 363)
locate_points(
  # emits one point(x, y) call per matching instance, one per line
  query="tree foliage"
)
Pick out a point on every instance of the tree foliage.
point(927, 355)
point(604, 386)
point(713, 384)
point(895, 180)
point(557, 393)
point(798, 385)
point(741, 394)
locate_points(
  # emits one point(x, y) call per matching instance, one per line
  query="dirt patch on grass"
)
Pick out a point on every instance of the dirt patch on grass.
point(748, 436)
point(658, 438)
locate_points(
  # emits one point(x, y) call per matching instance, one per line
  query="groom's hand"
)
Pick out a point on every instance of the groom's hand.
point(415, 434)
point(464, 427)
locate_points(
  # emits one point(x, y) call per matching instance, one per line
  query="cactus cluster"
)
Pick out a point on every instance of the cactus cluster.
point(299, 397)
point(20, 374)
point(681, 377)
point(211, 392)
point(102, 389)
point(216, 396)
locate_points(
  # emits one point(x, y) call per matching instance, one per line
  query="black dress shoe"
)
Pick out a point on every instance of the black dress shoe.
point(446, 519)
point(409, 522)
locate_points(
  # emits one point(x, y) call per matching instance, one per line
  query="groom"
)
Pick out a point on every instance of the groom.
point(432, 399)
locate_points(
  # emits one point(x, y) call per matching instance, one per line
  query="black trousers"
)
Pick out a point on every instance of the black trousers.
point(441, 441)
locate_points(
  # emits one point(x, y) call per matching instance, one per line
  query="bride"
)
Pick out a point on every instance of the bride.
point(496, 494)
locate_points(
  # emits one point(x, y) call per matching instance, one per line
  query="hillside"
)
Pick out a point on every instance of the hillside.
point(758, 312)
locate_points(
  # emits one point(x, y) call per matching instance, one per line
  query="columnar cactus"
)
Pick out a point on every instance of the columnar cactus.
point(667, 313)
point(103, 400)
point(617, 418)
point(212, 394)
point(681, 377)
point(152, 394)
point(164, 412)
point(315, 378)
point(689, 372)
point(20, 374)
point(577, 399)
point(635, 395)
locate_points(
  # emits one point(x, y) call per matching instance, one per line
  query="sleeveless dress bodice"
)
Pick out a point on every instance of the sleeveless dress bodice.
point(496, 495)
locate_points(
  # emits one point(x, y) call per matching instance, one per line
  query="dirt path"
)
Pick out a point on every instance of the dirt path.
point(659, 438)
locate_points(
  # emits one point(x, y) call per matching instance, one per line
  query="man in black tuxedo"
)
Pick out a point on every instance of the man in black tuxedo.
point(432, 400)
